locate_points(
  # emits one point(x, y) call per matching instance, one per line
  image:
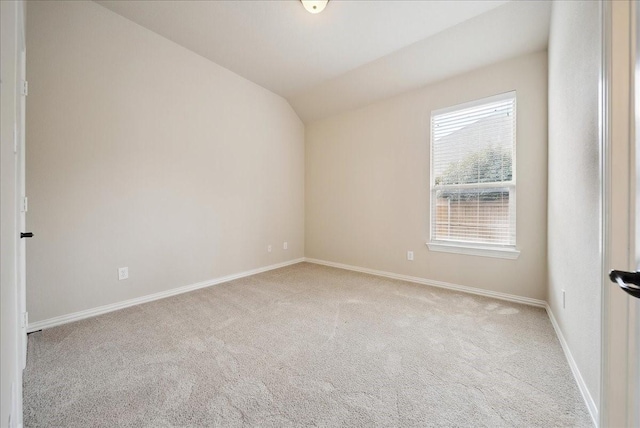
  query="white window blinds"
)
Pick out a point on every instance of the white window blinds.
point(473, 172)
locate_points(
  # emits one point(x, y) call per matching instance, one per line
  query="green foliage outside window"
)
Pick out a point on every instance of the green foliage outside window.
point(492, 164)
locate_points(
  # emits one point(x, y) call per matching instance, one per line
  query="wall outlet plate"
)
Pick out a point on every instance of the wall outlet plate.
point(269, 248)
point(123, 273)
point(410, 255)
point(285, 246)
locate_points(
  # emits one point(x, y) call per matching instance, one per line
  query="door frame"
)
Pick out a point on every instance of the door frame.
point(619, 327)
point(21, 205)
point(13, 27)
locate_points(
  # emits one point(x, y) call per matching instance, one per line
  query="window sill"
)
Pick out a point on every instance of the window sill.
point(472, 250)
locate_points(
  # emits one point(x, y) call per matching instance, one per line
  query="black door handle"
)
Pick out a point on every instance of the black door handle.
point(628, 281)
point(26, 234)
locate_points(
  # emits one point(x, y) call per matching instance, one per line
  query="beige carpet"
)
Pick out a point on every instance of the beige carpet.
point(305, 345)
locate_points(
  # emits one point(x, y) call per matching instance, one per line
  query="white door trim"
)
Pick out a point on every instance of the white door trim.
point(21, 267)
point(12, 29)
point(619, 359)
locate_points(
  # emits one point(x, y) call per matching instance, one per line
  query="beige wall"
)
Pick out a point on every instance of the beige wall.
point(367, 183)
point(574, 186)
point(146, 155)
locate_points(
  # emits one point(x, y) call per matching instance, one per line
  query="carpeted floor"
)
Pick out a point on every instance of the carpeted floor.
point(305, 345)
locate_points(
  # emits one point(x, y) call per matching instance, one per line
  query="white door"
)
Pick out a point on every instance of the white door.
point(621, 217)
point(21, 203)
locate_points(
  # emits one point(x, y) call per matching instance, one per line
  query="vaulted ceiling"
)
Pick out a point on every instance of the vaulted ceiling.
point(351, 54)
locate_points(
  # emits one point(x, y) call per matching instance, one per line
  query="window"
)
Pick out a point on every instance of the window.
point(473, 177)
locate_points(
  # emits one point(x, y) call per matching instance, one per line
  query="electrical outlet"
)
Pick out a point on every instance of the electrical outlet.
point(285, 246)
point(123, 273)
point(564, 300)
point(269, 248)
point(410, 255)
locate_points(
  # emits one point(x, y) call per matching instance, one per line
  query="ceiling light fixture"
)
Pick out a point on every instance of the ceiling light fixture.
point(314, 6)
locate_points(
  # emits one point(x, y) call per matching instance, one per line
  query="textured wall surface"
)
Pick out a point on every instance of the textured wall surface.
point(146, 155)
point(367, 183)
point(573, 235)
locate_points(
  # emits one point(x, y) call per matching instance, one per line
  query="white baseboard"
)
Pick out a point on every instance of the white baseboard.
point(440, 284)
point(76, 316)
point(582, 386)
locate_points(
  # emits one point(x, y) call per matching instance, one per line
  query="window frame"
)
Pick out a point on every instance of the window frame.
point(505, 251)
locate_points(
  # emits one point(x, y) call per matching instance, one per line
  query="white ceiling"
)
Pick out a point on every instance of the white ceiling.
point(514, 29)
point(352, 53)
